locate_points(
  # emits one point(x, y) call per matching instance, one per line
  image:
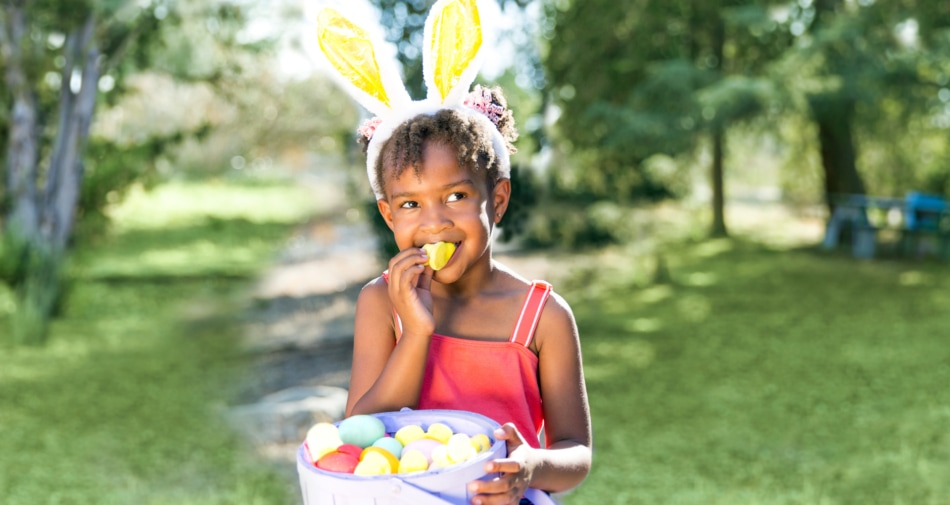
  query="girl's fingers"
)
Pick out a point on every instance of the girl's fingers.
point(424, 280)
point(405, 259)
point(409, 282)
point(495, 491)
point(405, 267)
point(503, 466)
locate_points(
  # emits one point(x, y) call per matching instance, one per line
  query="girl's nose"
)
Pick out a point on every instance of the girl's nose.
point(434, 219)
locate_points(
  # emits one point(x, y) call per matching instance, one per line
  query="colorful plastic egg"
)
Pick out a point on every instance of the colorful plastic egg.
point(423, 445)
point(390, 444)
point(337, 461)
point(460, 448)
point(413, 461)
point(481, 442)
point(353, 450)
point(409, 433)
point(439, 254)
point(440, 432)
point(375, 463)
point(361, 430)
point(440, 458)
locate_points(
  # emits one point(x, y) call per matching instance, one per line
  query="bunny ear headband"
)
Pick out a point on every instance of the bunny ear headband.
point(451, 55)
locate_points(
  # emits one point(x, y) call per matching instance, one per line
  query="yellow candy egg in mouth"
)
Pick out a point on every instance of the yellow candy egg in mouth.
point(439, 254)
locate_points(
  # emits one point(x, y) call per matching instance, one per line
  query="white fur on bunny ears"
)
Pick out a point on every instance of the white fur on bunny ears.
point(364, 65)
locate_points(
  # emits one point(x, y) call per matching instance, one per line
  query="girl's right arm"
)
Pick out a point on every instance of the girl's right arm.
point(386, 375)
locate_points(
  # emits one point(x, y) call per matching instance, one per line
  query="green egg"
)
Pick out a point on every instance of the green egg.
point(390, 444)
point(361, 430)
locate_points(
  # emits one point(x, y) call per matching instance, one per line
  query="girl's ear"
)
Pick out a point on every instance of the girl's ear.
point(500, 198)
point(386, 211)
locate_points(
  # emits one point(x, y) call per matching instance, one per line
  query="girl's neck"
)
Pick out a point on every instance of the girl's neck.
point(475, 281)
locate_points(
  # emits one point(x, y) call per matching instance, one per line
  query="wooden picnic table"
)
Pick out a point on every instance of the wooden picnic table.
point(915, 217)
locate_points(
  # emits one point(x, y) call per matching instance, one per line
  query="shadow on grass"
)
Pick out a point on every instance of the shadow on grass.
point(234, 248)
point(123, 405)
point(758, 376)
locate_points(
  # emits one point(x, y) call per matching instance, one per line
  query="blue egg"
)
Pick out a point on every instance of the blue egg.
point(361, 430)
point(390, 444)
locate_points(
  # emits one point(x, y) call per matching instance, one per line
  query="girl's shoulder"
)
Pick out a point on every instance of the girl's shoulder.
point(557, 315)
point(556, 325)
point(557, 312)
point(375, 293)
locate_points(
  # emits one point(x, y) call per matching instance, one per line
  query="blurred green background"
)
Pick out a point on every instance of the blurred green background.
point(677, 162)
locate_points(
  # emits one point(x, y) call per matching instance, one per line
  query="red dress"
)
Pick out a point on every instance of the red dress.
point(496, 379)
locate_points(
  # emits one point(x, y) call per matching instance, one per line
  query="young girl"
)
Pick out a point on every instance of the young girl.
point(473, 335)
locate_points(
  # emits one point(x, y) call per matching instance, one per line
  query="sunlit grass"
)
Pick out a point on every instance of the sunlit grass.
point(185, 203)
point(124, 403)
point(780, 378)
point(190, 228)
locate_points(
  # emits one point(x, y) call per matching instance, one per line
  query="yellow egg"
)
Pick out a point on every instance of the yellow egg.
point(409, 434)
point(440, 458)
point(413, 461)
point(440, 432)
point(391, 459)
point(374, 463)
point(439, 254)
point(319, 451)
point(322, 438)
point(481, 442)
point(322, 430)
point(460, 448)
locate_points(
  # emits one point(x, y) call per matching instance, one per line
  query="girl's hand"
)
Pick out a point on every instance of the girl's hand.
point(516, 471)
point(409, 281)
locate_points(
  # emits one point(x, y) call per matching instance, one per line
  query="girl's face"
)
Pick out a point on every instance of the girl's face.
point(444, 203)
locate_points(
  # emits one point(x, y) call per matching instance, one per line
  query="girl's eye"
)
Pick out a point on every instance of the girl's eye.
point(454, 197)
point(408, 205)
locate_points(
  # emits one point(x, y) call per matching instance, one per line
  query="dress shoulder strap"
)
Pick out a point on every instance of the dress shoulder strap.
point(396, 320)
point(531, 313)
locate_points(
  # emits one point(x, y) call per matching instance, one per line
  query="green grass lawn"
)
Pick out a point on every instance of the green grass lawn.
point(122, 406)
point(757, 376)
point(767, 377)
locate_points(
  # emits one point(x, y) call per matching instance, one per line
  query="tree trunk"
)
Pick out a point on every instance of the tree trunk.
point(834, 115)
point(717, 177)
point(717, 173)
point(23, 143)
point(41, 220)
point(75, 110)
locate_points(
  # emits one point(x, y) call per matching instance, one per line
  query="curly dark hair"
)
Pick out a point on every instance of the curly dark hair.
point(470, 139)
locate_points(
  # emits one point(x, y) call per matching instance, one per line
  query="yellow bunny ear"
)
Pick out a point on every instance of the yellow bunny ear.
point(352, 53)
point(453, 46)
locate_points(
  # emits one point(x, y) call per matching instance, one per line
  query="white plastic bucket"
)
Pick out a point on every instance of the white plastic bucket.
point(438, 487)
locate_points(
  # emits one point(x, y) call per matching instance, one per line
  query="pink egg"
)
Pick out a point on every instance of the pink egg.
point(337, 461)
point(353, 450)
point(423, 445)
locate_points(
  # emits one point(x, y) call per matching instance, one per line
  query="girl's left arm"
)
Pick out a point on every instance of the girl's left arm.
point(566, 460)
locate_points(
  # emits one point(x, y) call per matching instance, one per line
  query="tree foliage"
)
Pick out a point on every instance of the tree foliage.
point(64, 60)
point(864, 79)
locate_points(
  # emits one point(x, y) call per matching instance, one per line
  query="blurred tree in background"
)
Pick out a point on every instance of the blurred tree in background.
point(657, 79)
point(616, 103)
point(56, 55)
point(872, 75)
point(101, 95)
point(639, 94)
point(864, 83)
